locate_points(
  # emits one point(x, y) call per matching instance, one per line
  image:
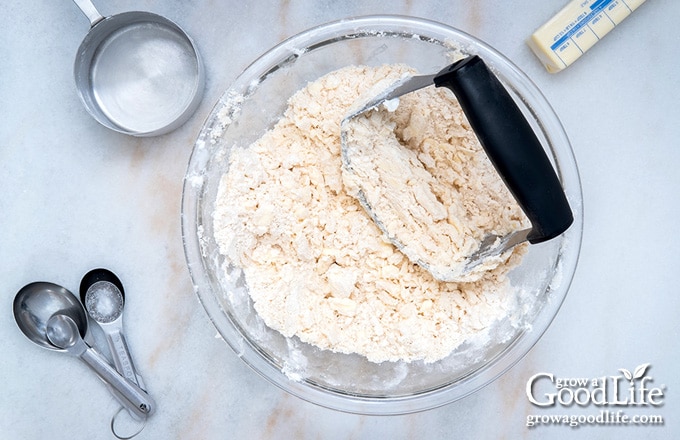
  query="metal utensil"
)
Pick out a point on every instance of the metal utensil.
point(36, 307)
point(511, 145)
point(102, 293)
point(63, 332)
point(137, 73)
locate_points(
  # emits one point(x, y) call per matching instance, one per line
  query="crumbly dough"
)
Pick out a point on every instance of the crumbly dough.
point(423, 177)
point(317, 266)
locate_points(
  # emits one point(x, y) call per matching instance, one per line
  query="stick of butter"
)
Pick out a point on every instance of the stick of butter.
point(576, 28)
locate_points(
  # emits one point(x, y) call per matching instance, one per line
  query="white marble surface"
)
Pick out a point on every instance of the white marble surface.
point(74, 195)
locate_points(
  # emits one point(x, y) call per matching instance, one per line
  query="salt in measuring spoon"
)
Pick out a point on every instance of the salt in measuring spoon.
point(51, 316)
point(103, 296)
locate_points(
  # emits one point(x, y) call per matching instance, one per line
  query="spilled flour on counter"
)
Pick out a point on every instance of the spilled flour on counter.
point(316, 264)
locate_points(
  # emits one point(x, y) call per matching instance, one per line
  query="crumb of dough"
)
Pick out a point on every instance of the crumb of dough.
point(318, 267)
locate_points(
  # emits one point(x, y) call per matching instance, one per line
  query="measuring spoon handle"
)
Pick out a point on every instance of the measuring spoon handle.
point(511, 145)
point(136, 400)
point(121, 354)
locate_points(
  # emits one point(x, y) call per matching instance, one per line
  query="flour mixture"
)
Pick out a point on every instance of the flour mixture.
point(318, 267)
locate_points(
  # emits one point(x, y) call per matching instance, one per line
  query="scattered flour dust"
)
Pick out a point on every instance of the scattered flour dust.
point(315, 263)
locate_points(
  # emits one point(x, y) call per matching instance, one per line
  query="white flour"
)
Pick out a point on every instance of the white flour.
point(318, 267)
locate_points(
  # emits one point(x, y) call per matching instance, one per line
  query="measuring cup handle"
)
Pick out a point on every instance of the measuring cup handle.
point(90, 11)
point(511, 145)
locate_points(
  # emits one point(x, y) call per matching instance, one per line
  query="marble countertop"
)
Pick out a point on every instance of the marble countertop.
point(75, 195)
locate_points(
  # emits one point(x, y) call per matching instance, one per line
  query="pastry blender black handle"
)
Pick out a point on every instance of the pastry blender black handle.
point(511, 144)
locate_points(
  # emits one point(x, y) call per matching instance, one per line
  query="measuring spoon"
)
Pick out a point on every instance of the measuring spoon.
point(101, 291)
point(63, 332)
point(137, 73)
point(34, 307)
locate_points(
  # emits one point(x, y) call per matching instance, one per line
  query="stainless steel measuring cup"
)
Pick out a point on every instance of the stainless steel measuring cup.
point(137, 73)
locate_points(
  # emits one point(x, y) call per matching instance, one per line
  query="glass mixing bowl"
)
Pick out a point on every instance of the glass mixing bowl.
point(348, 382)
